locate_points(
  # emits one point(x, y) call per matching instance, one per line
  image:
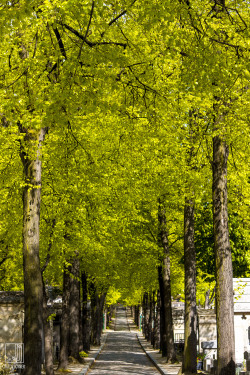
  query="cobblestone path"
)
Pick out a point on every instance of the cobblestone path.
point(122, 354)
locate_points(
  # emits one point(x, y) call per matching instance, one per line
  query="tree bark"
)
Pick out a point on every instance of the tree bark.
point(33, 286)
point(97, 303)
point(85, 315)
point(64, 328)
point(74, 309)
point(166, 286)
point(163, 336)
point(150, 317)
point(138, 312)
point(146, 316)
point(224, 271)
point(157, 322)
point(153, 318)
point(101, 300)
point(190, 346)
point(48, 338)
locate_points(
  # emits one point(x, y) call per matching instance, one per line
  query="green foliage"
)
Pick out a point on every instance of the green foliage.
point(4, 369)
point(240, 243)
point(51, 317)
point(205, 283)
point(83, 354)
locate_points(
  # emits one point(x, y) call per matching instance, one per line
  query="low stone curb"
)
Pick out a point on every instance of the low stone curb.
point(92, 359)
point(164, 368)
point(162, 371)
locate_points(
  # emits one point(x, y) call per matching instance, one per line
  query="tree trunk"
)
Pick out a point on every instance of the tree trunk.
point(48, 338)
point(171, 354)
point(138, 313)
point(33, 287)
point(163, 336)
point(94, 307)
point(64, 328)
point(157, 322)
point(153, 318)
point(150, 318)
point(145, 316)
point(74, 309)
point(166, 286)
point(97, 303)
point(101, 301)
point(224, 271)
point(85, 315)
point(190, 346)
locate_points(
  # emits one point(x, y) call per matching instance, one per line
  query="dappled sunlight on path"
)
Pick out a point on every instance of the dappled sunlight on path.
point(122, 353)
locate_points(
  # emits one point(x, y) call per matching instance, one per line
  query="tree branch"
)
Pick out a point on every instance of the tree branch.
point(90, 19)
point(120, 15)
point(22, 74)
point(60, 42)
point(91, 44)
point(3, 260)
point(117, 18)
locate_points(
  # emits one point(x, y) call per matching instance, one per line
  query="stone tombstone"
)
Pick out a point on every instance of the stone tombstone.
point(242, 318)
point(207, 364)
point(207, 332)
point(11, 319)
point(178, 321)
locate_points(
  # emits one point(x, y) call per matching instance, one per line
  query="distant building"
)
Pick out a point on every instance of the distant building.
point(207, 331)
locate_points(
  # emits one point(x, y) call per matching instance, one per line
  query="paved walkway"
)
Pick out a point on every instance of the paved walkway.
point(154, 354)
point(124, 350)
point(122, 353)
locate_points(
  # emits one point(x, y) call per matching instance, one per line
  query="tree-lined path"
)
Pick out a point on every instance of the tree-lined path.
point(124, 171)
point(122, 353)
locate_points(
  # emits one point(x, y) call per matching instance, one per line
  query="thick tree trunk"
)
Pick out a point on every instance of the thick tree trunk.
point(48, 338)
point(163, 336)
point(74, 309)
point(157, 322)
point(190, 346)
point(224, 272)
point(171, 354)
point(145, 316)
point(150, 318)
point(101, 302)
point(85, 315)
point(64, 328)
point(138, 318)
point(153, 318)
point(33, 287)
point(97, 303)
point(166, 286)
